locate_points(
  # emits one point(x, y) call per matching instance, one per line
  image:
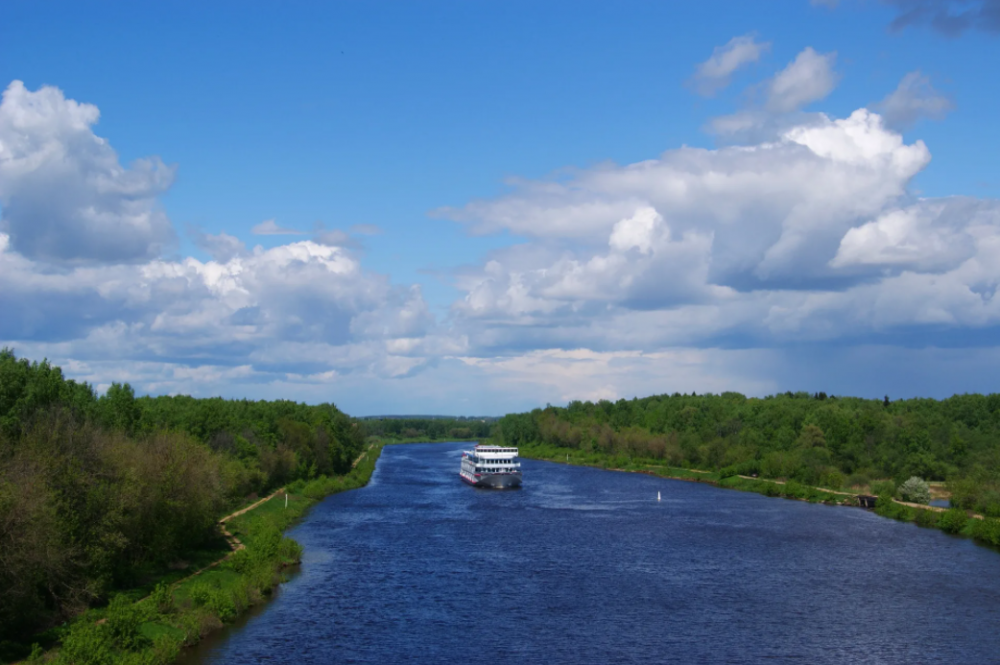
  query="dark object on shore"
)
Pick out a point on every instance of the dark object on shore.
point(867, 501)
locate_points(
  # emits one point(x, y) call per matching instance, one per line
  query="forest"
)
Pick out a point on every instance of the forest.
point(815, 439)
point(99, 492)
point(429, 429)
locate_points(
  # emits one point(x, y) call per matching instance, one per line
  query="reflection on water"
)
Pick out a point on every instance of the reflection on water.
point(586, 566)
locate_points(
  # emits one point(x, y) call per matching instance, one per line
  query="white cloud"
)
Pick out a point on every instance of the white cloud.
point(65, 197)
point(252, 306)
point(683, 272)
point(271, 228)
point(913, 98)
point(221, 247)
point(765, 213)
point(928, 236)
point(808, 78)
point(562, 375)
point(715, 73)
point(810, 238)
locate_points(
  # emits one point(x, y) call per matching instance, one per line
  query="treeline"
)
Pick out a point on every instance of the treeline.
point(436, 429)
point(97, 492)
point(814, 439)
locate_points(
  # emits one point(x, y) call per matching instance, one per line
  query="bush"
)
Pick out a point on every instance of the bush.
point(915, 490)
point(927, 518)
point(289, 551)
point(88, 644)
point(986, 531)
point(124, 619)
point(888, 508)
point(162, 599)
point(220, 603)
point(832, 479)
point(953, 521)
point(200, 593)
point(885, 488)
point(166, 649)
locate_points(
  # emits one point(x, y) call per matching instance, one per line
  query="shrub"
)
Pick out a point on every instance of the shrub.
point(953, 521)
point(200, 593)
point(888, 508)
point(88, 643)
point(240, 561)
point(915, 490)
point(986, 531)
point(165, 650)
point(832, 479)
point(162, 599)
point(728, 472)
point(220, 603)
point(289, 550)
point(885, 488)
point(927, 518)
point(124, 619)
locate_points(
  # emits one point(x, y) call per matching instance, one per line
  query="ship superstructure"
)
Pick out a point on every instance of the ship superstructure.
point(496, 467)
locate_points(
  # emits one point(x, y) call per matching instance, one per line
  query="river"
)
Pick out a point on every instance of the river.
point(585, 566)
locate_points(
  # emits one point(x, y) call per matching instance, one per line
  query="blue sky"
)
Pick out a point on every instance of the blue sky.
point(501, 204)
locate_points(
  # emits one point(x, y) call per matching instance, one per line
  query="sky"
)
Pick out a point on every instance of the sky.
point(475, 208)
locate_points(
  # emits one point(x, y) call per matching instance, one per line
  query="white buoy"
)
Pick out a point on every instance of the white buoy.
point(657, 496)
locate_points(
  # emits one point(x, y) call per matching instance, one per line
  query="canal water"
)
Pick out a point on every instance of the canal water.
point(586, 566)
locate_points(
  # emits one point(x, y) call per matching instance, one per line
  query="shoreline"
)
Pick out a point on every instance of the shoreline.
point(983, 530)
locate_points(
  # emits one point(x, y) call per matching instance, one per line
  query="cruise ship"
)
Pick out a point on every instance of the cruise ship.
point(491, 466)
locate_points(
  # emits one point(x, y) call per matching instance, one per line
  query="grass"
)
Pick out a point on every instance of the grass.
point(150, 624)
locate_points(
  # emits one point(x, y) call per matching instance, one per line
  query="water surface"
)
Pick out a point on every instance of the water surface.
point(586, 566)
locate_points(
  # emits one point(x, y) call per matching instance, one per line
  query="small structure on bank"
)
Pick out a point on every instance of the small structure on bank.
point(867, 500)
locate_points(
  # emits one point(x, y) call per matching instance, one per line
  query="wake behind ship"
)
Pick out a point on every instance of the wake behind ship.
point(495, 467)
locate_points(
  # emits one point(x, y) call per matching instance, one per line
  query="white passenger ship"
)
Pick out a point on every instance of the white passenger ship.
point(491, 466)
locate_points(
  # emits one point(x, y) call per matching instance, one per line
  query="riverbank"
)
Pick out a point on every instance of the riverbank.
point(954, 521)
point(153, 628)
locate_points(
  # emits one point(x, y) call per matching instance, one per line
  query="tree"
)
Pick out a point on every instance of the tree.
point(915, 490)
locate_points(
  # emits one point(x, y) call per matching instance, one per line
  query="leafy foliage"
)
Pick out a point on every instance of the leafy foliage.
point(95, 490)
point(814, 439)
point(915, 490)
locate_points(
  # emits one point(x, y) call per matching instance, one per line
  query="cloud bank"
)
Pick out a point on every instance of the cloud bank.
point(752, 267)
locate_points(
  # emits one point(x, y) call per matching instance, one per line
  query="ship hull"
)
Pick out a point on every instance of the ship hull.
point(496, 481)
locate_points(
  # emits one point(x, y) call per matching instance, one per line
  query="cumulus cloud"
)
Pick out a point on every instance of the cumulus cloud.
point(913, 98)
point(714, 74)
point(65, 196)
point(222, 247)
point(767, 213)
point(808, 78)
point(271, 228)
point(259, 307)
point(949, 17)
point(810, 238)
